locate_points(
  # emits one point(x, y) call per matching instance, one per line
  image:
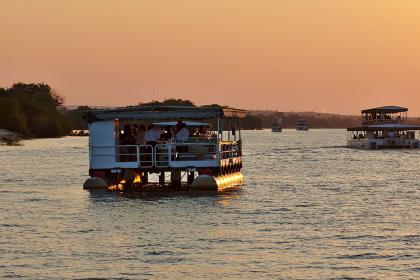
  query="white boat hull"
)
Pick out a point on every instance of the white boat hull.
point(386, 143)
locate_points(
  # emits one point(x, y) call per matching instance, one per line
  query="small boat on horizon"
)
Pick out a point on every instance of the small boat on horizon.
point(277, 126)
point(383, 127)
point(302, 125)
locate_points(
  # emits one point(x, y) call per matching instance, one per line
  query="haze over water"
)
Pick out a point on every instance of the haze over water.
point(309, 209)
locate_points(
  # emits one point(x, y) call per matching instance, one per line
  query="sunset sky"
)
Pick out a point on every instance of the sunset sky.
point(314, 55)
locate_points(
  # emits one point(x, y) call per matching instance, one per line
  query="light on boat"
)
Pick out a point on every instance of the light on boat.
point(119, 187)
point(137, 179)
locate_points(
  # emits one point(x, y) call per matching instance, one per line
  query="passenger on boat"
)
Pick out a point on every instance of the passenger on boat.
point(178, 126)
point(140, 135)
point(202, 131)
point(193, 132)
point(166, 134)
point(151, 136)
point(127, 136)
point(183, 133)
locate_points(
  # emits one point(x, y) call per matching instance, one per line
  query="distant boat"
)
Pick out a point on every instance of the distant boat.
point(383, 127)
point(277, 126)
point(302, 125)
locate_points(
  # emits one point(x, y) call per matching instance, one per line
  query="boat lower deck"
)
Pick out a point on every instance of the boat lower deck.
point(374, 144)
point(199, 183)
point(157, 188)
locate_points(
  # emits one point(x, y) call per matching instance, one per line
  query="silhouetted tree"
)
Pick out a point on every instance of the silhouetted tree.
point(33, 110)
point(169, 102)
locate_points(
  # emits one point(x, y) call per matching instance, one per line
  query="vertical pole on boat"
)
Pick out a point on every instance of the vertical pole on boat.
point(219, 130)
point(228, 129)
point(234, 128)
point(138, 155)
point(219, 139)
point(239, 128)
point(239, 137)
point(176, 178)
point(162, 178)
point(145, 178)
point(190, 178)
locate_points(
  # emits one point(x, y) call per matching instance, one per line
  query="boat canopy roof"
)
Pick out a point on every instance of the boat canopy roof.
point(188, 124)
point(164, 113)
point(385, 109)
point(385, 127)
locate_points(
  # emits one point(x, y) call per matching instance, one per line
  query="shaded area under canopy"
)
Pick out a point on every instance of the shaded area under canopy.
point(385, 127)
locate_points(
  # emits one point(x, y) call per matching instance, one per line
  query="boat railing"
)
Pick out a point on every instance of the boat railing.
point(229, 151)
point(145, 155)
point(176, 154)
point(119, 153)
point(194, 151)
point(163, 154)
point(126, 153)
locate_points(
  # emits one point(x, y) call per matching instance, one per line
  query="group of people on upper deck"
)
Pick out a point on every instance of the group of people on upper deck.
point(387, 134)
point(139, 135)
point(379, 116)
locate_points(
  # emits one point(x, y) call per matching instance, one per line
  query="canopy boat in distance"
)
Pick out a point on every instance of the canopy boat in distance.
point(302, 125)
point(277, 126)
point(209, 153)
point(383, 127)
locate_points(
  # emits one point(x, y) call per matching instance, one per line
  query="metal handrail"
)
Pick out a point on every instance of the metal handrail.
point(162, 159)
point(162, 155)
point(180, 153)
point(145, 159)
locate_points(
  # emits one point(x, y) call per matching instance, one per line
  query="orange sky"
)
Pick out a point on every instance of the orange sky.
point(319, 55)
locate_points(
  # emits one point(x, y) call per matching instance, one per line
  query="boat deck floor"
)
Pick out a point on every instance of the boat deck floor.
point(161, 189)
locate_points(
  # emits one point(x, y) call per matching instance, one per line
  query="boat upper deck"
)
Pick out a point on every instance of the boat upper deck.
point(385, 127)
point(215, 142)
point(384, 115)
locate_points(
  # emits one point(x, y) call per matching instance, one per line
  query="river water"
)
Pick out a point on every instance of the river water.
point(309, 209)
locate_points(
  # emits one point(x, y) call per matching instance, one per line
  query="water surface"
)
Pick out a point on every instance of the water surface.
point(310, 209)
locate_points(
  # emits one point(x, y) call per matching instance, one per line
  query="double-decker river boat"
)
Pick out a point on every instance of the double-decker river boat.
point(277, 126)
point(302, 125)
point(209, 151)
point(384, 127)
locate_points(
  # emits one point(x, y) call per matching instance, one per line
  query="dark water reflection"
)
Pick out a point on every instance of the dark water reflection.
point(310, 209)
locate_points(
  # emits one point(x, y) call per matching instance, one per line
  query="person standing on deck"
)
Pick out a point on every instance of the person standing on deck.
point(151, 136)
point(183, 134)
point(141, 135)
point(166, 135)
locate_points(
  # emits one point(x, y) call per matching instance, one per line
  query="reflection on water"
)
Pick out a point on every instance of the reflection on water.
point(221, 198)
point(310, 209)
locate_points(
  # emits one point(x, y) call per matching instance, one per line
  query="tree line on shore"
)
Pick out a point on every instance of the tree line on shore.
point(33, 110)
point(36, 110)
